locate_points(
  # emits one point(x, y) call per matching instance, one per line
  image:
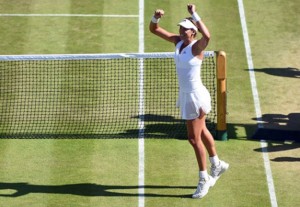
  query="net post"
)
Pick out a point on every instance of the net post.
point(221, 96)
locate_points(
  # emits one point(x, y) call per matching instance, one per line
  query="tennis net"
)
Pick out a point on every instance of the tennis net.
point(95, 96)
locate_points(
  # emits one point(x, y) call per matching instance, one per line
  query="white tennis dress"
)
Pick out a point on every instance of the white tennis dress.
point(193, 95)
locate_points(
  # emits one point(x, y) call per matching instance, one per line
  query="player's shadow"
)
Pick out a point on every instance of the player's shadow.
point(283, 72)
point(85, 189)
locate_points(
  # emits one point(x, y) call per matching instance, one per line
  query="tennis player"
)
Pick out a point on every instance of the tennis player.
point(194, 99)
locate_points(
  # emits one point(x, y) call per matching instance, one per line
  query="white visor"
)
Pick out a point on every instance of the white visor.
point(187, 24)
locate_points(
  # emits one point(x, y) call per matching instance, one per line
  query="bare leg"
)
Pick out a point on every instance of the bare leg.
point(208, 141)
point(195, 130)
point(200, 138)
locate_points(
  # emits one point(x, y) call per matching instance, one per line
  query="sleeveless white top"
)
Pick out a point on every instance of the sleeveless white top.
point(188, 68)
point(193, 95)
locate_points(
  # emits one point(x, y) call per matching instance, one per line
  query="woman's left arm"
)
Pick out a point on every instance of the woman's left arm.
point(202, 43)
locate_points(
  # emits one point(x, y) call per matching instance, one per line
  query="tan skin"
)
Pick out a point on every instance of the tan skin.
point(198, 134)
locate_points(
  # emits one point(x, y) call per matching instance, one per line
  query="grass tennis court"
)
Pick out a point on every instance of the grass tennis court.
point(104, 172)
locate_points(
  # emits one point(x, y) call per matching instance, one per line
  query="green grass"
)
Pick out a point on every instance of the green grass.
point(48, 172)
point(44, 35)
point(273, 31)
point(104, 172)
point(175, 178)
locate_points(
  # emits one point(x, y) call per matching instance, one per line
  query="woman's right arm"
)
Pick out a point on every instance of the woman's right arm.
point(159, 31)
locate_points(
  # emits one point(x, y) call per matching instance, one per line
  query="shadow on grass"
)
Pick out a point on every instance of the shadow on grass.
point(279, 127)
point(155, 127)
point(286, 159)
point(85, 189)
point(276, 127)
point(283, 72)
point(277, 130)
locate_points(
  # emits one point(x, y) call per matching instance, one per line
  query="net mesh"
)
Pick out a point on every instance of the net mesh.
point(99, 96)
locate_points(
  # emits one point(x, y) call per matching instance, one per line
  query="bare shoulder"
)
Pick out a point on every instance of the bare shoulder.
point(199, 47)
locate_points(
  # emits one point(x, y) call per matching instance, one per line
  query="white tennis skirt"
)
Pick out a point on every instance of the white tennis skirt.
point(191, 103)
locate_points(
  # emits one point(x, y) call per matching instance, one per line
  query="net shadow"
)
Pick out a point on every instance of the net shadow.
point(156, 127)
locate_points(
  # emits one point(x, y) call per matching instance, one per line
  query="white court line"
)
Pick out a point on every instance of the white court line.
point(69, 15)
point(141, 178)
point(263, 143)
